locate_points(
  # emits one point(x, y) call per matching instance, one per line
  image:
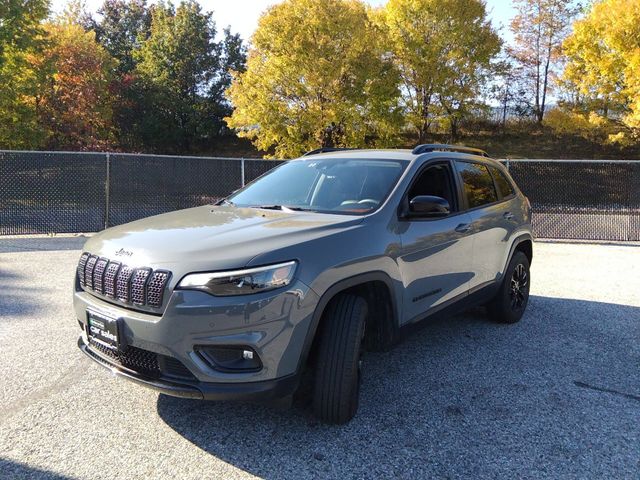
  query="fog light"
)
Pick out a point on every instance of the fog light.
point(230, 358)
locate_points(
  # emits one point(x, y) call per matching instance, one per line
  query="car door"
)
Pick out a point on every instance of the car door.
point(436, 253)
point(491, 221)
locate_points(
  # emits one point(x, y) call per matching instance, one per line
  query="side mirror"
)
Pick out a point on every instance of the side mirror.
point(429, 206)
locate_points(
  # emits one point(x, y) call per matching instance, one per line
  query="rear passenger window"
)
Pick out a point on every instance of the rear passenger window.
point(478, 184)
point(504, 185)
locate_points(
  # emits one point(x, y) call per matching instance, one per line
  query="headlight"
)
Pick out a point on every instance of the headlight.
point(241, 282)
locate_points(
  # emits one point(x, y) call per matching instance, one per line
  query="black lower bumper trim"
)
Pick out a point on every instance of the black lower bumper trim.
point(265, 390)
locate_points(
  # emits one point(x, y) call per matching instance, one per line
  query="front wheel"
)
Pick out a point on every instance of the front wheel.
point(337, 376)
point(510, 302)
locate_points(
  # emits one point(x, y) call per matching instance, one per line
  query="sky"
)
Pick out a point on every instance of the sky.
point(242, 15)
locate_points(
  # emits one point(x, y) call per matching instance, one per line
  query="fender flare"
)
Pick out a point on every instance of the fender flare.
point(330, 293)
point(520, 238)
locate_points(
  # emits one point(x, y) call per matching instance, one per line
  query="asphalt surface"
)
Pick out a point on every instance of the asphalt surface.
point(555, 396)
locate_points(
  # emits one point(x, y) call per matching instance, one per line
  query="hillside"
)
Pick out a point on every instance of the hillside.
point(523, 143)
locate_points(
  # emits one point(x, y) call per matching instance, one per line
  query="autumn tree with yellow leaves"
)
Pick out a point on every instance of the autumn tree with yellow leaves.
point(444, 50)
point(603, 69)
point(316, 75)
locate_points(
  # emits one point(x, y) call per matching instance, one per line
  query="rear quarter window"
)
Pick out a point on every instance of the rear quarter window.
point(478, 184)
point(505, 187)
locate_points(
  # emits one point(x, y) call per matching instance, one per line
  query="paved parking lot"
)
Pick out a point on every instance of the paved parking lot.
point(557, 395)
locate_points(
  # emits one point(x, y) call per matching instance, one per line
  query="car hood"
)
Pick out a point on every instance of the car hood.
point(212, 237)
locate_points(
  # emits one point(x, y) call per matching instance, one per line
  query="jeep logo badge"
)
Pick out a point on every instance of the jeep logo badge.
point(123, 253)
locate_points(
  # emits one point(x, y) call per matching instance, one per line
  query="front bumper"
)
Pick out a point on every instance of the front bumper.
point(274, 325)
point(265, 390)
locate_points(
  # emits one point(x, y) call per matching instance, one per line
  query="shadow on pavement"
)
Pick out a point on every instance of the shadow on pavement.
point(17, 301)
point(10, 469)
point(42, 244)
point(461, 397)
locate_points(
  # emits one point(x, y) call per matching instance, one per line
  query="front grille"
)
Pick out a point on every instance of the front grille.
point(133, 358)
point(137, 286)
point(174, 368)
point(149, 364)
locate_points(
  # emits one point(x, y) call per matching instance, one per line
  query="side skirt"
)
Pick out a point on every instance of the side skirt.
point(476, 297)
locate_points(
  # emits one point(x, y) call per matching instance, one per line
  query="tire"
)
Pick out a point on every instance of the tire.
point(337, 377)
point(512, 298)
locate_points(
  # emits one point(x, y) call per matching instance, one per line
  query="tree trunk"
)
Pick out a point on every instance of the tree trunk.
point(538, 63)
point(453, 129)
point(545, 85)
point(423, 129)
point(505, 101)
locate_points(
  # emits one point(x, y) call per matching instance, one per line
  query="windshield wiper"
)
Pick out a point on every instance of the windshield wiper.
point(280, 207)
point(225, 201)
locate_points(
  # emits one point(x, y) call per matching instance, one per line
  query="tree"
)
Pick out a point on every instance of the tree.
point(444, 50)
point(20, 23)
point(507, 90)
point(539, 29)
point(233, 59)
point(74, 104)
point(316, 76)
point(182, 70)
point(591, 126)
point(122, 27)
point(21, 39)
point(603, 68)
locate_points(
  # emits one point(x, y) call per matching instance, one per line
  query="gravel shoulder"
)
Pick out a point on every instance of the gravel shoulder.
point(557, 395)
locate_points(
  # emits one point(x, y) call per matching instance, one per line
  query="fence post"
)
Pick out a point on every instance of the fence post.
point(507, 164)
point(242, 171)
point(106, 191)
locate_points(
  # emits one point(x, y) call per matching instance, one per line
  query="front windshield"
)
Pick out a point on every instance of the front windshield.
point(325, 185)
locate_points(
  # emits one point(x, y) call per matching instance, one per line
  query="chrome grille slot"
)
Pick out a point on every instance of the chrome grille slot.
point(88, 271)
point(155, 287)
point(122, 287)
point(98, 275)
point(81, 266)
point(138, 284)
point(110, 278)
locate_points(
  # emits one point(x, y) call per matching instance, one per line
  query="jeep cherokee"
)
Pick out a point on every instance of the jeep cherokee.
point(303, 270)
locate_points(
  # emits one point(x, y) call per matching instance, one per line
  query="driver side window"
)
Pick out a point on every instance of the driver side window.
point(435, 180)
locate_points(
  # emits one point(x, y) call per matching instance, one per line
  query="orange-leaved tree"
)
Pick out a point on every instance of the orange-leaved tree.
point(74, 103)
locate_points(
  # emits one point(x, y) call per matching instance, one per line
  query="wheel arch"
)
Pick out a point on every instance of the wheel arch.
point(525, 245)
point(374, 286)
point(522, 243)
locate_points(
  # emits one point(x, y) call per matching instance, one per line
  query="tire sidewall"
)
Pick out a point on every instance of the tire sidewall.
point(505, 312)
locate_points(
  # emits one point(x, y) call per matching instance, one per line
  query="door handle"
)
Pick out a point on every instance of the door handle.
point(508, 216)
point(463, 228)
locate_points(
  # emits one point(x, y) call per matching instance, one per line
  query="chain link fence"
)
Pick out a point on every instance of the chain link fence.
point(68, 192)
point(581, 199)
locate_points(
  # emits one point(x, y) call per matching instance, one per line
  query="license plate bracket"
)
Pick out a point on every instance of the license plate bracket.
point(103, 329)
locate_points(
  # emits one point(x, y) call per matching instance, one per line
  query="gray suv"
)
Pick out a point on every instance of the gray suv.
point(303, 270)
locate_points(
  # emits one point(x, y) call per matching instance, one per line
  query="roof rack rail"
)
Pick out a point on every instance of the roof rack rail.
point(326, 150)
point(441, 147)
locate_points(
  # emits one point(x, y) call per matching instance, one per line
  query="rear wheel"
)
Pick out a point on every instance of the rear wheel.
point(510, 302)
point(339, 361)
